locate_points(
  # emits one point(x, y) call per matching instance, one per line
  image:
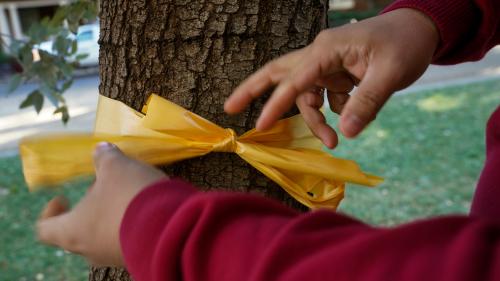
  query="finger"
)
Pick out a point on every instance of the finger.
point(283, 99)
point(260, 82)
point(339, 86)
point(339, 82)
point(55, 207)
point(304, 77)
point(375, 88)
point(111, 163)
point(309, 107)
point(52, 221)
point(337, 101)
point(315, 97)
point(58, 231)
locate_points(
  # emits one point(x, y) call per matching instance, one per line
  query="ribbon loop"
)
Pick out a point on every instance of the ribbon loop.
point(228, 144)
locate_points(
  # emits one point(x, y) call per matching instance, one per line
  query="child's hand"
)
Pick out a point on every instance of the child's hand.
point(384, 54)
point(91, 228)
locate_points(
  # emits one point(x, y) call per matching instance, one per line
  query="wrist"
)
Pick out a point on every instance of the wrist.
point(425, 28)
point(456, 22)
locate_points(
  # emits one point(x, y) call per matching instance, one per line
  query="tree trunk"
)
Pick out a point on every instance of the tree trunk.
point(195, 53)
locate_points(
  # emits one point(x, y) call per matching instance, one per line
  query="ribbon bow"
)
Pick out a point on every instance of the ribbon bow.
point(165, 133)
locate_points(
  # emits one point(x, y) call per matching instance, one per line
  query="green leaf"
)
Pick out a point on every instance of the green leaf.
point(37, 32)
point(14, 82)
point(42, 31)
point(61, 45)
point(26, 55)
point(66, 69)
point(66, 85)
point(81, 56)
point(74, 47)
point(47, 70)
point(64, 113)
point(59, 16)
point(91, 12)
point(35, 99)
point(51, 94)
point(73, 27)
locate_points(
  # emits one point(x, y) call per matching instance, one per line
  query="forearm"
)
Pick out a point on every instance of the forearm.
point(172, 232)
point(467, 28)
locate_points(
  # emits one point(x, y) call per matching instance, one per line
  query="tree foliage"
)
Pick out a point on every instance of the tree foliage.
point(52, 71)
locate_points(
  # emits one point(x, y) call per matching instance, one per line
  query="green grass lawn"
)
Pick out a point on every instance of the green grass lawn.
point(428, 146)
point(21, 256)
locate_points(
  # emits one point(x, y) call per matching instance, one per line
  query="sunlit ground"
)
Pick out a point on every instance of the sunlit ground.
point(428, 146)
point(11, 128)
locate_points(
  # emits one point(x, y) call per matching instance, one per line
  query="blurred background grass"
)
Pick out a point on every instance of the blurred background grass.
point(21, 256)
point(429, 146)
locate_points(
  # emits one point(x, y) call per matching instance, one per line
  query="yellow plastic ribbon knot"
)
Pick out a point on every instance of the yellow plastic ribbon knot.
point(228, 144)
point(164, 133)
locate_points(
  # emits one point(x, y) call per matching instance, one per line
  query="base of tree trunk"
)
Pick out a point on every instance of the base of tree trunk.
point(103, 274)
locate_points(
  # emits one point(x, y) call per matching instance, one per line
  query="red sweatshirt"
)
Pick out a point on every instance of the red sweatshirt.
point(468, 28)
point(171, 231)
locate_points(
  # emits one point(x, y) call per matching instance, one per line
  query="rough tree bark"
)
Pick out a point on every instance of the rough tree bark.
point(194, 53)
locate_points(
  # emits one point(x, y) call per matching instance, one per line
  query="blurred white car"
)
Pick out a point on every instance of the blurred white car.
point(87, 37)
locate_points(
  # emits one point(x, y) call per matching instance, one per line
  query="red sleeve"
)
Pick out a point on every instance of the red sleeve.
point(468, 28)
point(172, 232)
point(487, 194)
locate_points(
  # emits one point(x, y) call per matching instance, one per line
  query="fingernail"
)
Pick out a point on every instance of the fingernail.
point(104, 146)
point(352, 126)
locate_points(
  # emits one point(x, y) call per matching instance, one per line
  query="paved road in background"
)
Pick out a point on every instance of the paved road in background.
point(443, 76)
point(82, 99)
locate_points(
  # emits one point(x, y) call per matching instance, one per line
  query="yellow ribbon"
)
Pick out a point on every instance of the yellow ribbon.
point(165, 133)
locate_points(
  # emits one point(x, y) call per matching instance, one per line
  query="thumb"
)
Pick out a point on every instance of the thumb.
point(373, 91)
point(104, 154)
